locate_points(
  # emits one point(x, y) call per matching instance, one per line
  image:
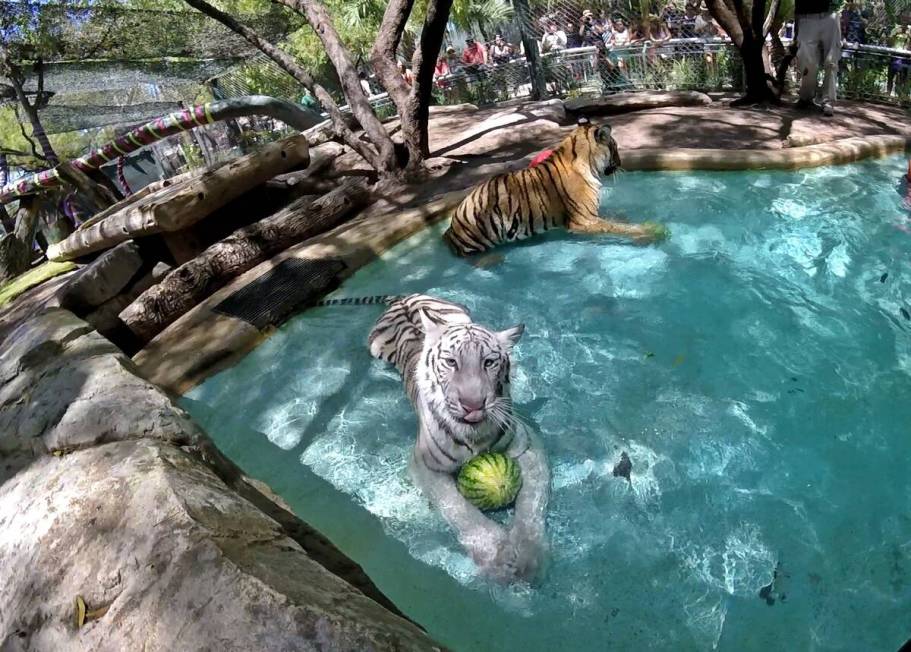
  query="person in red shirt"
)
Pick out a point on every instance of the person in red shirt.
point(442, 67)
point(474, 54)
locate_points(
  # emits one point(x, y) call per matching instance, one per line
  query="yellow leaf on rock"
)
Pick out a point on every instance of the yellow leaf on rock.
point(80, 611)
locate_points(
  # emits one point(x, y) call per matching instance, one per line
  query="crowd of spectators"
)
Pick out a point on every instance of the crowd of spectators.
point(862, 22)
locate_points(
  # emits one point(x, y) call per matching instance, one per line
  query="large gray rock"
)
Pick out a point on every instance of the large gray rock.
point(626, 102)
point(137, 512)
point(63, 386)
point(102, 279)
point(179, 561)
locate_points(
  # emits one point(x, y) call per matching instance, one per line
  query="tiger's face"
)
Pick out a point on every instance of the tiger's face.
point(594, 148)
point(466, 371)
point(604, 153)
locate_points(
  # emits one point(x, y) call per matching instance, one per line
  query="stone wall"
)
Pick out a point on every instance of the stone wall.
point(110, 492)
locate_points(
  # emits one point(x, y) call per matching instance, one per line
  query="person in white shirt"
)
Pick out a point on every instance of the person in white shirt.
point(618, 36)
point(553, 40)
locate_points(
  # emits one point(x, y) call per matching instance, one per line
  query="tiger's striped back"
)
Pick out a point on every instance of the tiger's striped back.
point(398, 335)
point(520, 204)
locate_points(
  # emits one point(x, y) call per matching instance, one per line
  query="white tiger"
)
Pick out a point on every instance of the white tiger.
point(456, 374)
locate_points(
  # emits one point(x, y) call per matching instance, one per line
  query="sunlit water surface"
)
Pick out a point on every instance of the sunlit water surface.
point(756, 367)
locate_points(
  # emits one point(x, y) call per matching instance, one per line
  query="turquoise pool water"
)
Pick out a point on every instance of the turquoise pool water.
point(756, 368)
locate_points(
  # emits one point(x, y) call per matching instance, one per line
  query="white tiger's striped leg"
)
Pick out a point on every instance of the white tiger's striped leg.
point(483, 538)
point(528, 527)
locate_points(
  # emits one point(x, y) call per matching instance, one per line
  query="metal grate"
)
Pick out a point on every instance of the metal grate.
point(274, 295)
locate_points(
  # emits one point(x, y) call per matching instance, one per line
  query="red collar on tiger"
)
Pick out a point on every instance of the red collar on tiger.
point(540, 158)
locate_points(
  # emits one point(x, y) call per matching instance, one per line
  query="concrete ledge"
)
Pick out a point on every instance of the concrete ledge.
point(842, 151)
point(638, 101)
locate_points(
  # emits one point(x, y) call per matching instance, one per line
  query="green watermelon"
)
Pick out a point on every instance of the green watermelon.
point(490, 481)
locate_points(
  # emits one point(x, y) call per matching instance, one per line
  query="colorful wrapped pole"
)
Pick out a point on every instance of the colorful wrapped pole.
point(160, 128)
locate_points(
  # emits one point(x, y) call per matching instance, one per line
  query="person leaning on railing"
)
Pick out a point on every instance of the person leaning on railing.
point(500, 50)
point(899, 66)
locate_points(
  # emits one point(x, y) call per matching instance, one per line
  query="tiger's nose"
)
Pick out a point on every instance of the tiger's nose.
point(471, 404)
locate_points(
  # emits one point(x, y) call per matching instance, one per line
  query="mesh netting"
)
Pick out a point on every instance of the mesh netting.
point(62, 118)
point(115, 65)
point(102, 77)
point(91, 30)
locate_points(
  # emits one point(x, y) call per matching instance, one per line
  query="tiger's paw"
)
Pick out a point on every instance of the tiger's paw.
point(654, 232)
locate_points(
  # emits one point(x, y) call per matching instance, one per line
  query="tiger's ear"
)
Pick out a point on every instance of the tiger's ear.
point(603, 133)
point(432, 330)
point(510, 336)
point(582, 121)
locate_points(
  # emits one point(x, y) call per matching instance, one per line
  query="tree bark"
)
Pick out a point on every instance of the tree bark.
point(8, 224)
point(383, 54)
point(423, 64)
point(15, 80)
point(375, 156)
point(16, 247)
point(196, 279)
point(747, 30)
point(318, 17)
point(413, 103)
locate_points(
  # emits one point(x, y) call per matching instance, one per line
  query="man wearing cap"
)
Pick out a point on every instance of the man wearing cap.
point(587, 32)
point(474, 54)
point(818, 33)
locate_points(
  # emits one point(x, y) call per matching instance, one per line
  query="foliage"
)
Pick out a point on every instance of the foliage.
point(69, 145)
point(862, 81)
point(484, 15)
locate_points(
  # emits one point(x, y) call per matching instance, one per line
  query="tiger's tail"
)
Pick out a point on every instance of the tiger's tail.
point(385, 299)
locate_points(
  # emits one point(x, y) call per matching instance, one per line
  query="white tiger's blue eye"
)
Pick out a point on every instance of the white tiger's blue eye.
point(489, 363)
point(449, 362)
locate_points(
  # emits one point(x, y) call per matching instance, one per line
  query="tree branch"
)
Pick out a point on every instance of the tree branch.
point(770, 19)
point(727, 19)
point(319, 19)
point(382, 56)
point(28, 139)
point(289, 65)
point(423, 63)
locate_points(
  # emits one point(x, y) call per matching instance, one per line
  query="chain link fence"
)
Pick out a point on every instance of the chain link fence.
point(601, 48)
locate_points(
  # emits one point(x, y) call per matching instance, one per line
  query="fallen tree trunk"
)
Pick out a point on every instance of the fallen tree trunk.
point(179, 206)
point(196, 279)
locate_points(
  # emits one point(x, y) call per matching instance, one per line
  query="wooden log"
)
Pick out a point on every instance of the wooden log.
point(320, 159)
point(155, 186)
point(195, 280)
point(178, 206)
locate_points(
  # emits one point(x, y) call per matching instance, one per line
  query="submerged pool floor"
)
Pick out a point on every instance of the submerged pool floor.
point(756, 368)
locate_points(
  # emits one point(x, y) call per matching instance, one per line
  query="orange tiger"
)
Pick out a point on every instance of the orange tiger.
point(563, 190)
